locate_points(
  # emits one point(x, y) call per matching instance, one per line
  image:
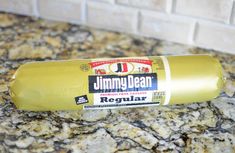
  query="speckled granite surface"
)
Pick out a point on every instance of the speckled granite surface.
point(199, 127)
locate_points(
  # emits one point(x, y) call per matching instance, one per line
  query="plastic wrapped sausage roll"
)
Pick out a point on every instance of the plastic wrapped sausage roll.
point(116, 82)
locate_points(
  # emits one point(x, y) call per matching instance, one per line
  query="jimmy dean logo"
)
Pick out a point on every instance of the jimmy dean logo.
point(121, 66)
point(115, 83)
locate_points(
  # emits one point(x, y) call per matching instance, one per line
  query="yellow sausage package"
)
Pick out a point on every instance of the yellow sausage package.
point(116, 83)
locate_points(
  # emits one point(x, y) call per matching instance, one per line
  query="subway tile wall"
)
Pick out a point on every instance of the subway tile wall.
point(204, 23)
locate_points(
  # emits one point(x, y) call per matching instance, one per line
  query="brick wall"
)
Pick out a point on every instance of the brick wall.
point(204, 23)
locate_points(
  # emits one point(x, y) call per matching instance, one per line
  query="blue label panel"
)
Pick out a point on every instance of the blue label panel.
point(117, 83)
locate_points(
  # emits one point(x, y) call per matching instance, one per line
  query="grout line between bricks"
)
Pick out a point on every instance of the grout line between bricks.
point(36, 8)
point(138, 22)
point(169, 6)
point(194, 18)
point(230, 19)
point(113, 2)
point(104, 2)
point(200, 18)
point(173, 7)
point(84, 12)
point(194, 32)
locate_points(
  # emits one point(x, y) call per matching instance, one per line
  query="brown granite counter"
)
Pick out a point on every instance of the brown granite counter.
point(197, 127)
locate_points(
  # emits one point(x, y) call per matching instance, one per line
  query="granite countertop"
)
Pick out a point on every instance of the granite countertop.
point(197, 127)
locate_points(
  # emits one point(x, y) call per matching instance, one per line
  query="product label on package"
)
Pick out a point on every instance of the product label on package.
point(125, 82)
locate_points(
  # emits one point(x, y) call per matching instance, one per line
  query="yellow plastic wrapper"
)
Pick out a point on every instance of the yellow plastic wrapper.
point(116, 82)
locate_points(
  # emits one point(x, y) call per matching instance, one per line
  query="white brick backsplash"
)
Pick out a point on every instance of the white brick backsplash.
point(204, 23)
point(168, 27)
point(62, 10)
point(159, 5)
point(24, 7)
point(216, 36)
point(111, 17)
point(208, 9)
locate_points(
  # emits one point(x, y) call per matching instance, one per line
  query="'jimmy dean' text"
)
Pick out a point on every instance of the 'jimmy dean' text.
point(122, 83)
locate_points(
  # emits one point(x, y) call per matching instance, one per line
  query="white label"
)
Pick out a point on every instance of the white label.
point(123, 82)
